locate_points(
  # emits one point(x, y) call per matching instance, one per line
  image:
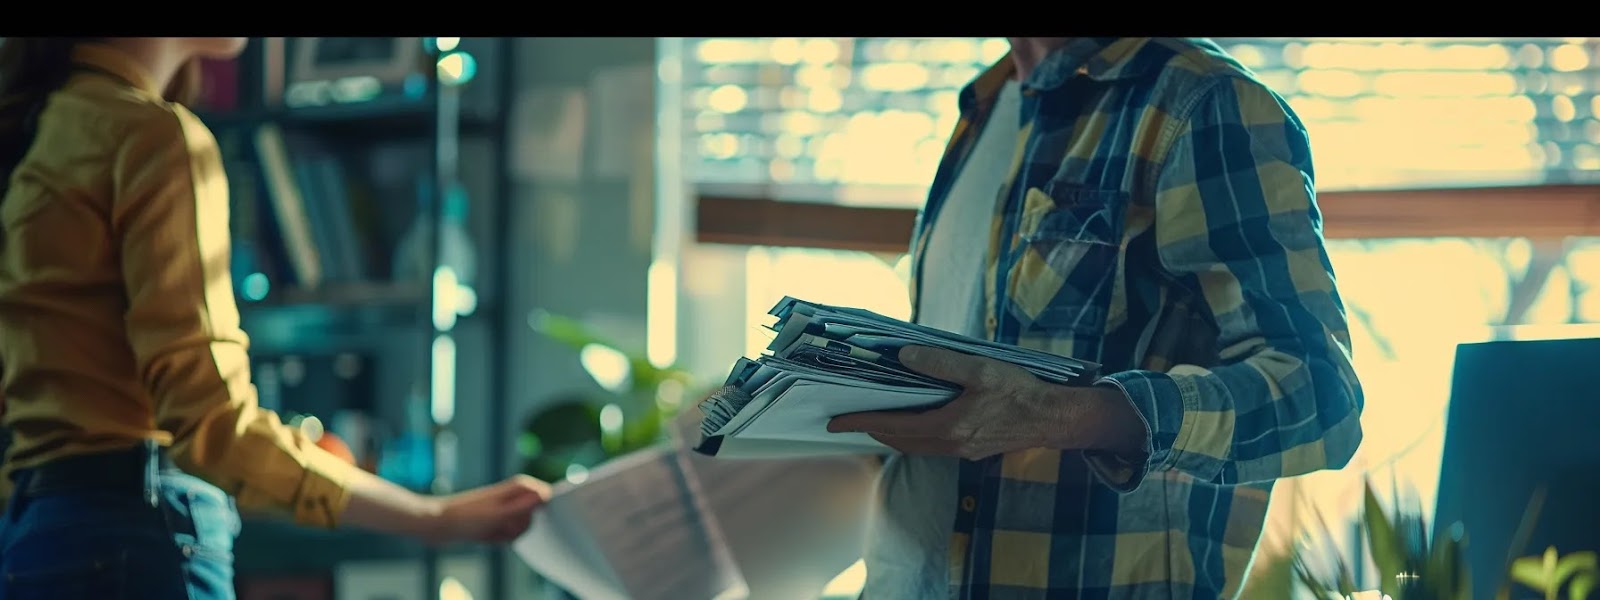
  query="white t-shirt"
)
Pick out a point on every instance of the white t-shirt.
point(907, 551)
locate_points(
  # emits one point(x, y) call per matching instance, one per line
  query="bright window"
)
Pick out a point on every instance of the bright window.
point(820, 118)
point(1410, 302)
point(872, 282)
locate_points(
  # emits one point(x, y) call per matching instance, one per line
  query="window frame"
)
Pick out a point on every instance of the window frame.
point(1540, 212)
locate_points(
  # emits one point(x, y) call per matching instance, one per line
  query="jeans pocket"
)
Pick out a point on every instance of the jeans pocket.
point(86, 579)
point(202, 517)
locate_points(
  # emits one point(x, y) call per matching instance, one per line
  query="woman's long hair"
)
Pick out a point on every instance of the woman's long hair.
point(30, 70)
point(33, 68)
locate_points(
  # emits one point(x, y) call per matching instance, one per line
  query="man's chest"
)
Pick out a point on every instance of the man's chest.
point(1067, 219)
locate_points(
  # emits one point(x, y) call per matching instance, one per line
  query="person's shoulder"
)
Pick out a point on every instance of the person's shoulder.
point(1182, 71)
point(1199, 57)
point(127, 114)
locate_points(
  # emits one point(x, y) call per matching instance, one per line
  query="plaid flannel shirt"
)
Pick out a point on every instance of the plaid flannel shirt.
point(1160, 219)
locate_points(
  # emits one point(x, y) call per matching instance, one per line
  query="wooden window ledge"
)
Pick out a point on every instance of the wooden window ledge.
point(1543, 212)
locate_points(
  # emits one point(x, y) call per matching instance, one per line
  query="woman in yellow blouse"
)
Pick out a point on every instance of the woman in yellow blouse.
point(126, 383)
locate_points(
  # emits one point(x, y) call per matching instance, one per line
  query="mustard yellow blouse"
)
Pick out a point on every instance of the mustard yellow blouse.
point(117, 318)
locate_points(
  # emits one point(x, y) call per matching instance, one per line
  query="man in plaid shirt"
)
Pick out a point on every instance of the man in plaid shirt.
point(1147, 204)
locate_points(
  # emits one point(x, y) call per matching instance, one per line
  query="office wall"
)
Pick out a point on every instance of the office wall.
point(580, 213)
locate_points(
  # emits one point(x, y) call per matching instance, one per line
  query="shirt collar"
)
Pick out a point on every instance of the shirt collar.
point(116, 62)
point(1098, 58)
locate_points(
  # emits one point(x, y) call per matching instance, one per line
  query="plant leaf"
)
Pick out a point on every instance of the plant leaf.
point(1445, 572)
point(1320, 588)
point(1347, 582)
point(1573, 564)
point(1583, 585)
point(1344, 581)
point(1306, 578)
point(567, 330)
point(1529, 571)
point(1388, 552)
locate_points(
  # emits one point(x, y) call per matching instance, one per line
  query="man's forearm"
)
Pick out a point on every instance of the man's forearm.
point(1099, 417)
point(1271, 415)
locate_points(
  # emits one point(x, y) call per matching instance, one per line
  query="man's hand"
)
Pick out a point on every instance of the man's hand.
point(1002, 408)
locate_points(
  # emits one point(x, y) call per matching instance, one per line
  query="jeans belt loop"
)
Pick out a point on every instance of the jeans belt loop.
point(152, 472)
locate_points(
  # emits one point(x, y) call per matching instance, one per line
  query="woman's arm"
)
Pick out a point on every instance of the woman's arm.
point(170, 215)
point(496, 513)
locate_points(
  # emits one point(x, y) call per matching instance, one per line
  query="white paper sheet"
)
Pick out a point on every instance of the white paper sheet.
point(791, 525)
point(631, 530)
point(559, 554)
point(669, 523)
point(801, 413)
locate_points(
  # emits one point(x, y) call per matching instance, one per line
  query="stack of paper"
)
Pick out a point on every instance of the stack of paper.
point(827, 361)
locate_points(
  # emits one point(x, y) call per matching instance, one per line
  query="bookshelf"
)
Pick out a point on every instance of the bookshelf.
point(355, 265)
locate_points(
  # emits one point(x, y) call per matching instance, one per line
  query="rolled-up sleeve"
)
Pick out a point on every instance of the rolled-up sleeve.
point(171, 219)
point(1236, 218)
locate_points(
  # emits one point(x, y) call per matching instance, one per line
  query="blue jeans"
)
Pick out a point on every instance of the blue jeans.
point(172, 539)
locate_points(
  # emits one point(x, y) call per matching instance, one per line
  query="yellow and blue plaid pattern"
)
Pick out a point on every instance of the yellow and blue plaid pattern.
point(1160, 219)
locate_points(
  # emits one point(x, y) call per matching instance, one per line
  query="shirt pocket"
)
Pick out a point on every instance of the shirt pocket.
point(1070, 239)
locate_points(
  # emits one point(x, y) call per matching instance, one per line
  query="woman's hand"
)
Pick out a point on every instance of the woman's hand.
point(495, 513)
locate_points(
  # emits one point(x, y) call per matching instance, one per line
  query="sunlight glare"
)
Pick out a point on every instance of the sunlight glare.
point(848, 583)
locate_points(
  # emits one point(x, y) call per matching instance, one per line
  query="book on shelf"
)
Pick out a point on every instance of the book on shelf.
point(309, 214)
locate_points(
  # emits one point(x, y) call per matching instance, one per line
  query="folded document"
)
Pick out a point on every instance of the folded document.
point(827, 361)
point(668, 524)
point(635, 528)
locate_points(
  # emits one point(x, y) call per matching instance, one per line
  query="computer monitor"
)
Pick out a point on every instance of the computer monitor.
point(1522, 414)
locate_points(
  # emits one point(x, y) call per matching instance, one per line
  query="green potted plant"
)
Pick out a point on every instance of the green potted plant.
point(634, 400)
point(1411, 565)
